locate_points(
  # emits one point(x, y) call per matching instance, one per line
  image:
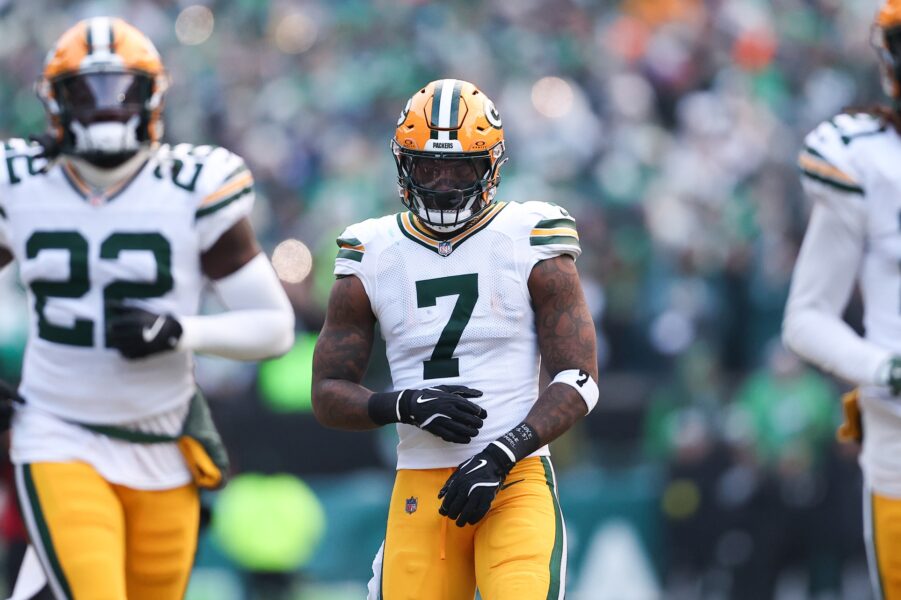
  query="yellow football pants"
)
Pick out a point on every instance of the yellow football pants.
point(882, 532)
point(516, 552)
point(101, 541)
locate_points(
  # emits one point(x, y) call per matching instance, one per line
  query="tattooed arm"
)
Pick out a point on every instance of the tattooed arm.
point(567, 341)
point(340, 359)
point(566, 337)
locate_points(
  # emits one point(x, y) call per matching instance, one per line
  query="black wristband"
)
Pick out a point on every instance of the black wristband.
point(522, 440)
point(383, 407)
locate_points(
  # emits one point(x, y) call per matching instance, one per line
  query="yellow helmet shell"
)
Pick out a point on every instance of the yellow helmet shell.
point(449, 115)
point(889, 15)
point(104, 44)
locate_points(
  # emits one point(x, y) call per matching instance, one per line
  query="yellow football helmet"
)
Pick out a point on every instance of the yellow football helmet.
point(449, 147)
point(103, 86)
point(887, 41)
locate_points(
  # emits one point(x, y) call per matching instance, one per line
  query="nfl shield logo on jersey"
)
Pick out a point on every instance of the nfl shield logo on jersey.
point(411, 505)
point(444, 248)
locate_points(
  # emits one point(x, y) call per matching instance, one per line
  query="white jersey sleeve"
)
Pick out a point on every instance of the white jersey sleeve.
point(551, 232)
point(353, 259)
point(222, 184)
point(18, 157)
point(829, 261)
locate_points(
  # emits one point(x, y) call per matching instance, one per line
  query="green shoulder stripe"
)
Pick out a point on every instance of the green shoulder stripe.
point(208, 210)
point(810, 150)
point(350, 254)
point(240, 169)
point(554, 223)
point(854, 189)
point(2, 212)
point(349, 241)
point(547, 240)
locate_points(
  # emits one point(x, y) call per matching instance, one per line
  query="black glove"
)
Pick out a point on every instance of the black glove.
point(137, 333)
point(442, 410)
point(8, 397)
point(469, 492)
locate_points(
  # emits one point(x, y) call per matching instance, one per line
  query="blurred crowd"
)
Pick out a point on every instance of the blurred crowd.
point(669, 128)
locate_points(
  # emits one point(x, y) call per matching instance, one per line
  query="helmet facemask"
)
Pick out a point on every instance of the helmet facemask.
point(104, 115)
point(447, 190)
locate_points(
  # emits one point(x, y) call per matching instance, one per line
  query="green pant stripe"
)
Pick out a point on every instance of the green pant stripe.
point(44, 531)
point(880, 587)
point(553, 592)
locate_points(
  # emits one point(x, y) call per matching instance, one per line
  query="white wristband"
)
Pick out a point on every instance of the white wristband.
point(583, 383)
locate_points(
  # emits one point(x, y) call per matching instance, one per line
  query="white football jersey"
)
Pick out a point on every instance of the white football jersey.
point(459, 311)
point(850, 165)
point(858, 155)
point(140, 244)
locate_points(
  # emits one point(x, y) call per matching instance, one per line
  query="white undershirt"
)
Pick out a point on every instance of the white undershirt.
point(258, 322)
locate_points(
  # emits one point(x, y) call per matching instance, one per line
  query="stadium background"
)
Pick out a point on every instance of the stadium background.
point(669, 128)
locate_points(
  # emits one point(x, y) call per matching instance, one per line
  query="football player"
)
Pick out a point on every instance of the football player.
point(854, 236)
point(469, 292)
point(115, 235)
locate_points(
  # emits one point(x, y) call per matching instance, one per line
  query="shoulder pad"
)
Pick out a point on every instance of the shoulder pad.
point(214, 175)
point(547, 219)
point(353, 242)
point(549, 228)
point(854, 125)
point(829, 157)
point(20, 158)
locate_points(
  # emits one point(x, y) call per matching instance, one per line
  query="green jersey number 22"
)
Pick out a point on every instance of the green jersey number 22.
point(81, 332)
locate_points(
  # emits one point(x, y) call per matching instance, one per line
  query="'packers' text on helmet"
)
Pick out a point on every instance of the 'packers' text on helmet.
point(449, 147)
point(103, 87)
point(887, 40)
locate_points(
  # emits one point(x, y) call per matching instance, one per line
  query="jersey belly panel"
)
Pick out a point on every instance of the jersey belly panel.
point(75, 258)
point(462, 319)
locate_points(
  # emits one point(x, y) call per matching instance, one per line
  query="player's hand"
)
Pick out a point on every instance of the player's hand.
point(469, 492)
point(137, 333)
point(443, 410)
point(8, 397)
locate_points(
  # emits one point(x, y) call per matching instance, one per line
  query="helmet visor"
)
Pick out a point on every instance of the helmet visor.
point(446, 183)
point(88, 93)
point(447, 174)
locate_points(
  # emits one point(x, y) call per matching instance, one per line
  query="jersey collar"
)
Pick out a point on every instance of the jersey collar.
point(98, 196)
point(411, 227)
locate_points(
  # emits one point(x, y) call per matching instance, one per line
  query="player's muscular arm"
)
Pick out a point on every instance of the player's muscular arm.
point(6, 257)
point(342, 353)
point(566, 338)
point(234, 249)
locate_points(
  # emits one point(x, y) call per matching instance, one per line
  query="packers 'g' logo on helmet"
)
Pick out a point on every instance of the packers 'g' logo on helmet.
point(103, 87)
point(449, 147)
